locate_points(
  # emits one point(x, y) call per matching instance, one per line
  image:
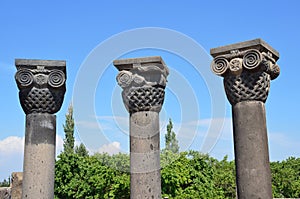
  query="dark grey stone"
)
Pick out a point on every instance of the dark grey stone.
point(143, 81)
point(248, 68)
point(253, 173)
point(39, 156)
point(145, 155)
point(38, 62)
point(41, 84)
point(128, 64)
point(251, 44)
point(42, 88)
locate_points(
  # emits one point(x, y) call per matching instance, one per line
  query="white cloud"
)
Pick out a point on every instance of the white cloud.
point(11, 145)
point(14, 145)
point(59, 144)
point(112, 148)
point(11, 155)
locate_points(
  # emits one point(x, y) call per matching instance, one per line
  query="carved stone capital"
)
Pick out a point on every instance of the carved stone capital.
point(143, 81)
point(247, 68)
point(41, 85)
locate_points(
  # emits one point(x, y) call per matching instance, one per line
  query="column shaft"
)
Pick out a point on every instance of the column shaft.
point(143, 81)
point(39, 156)
point(248, 68)
point(145, 176)
point(253, 173)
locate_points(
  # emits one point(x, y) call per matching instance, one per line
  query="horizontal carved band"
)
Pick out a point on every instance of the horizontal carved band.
point(249, 60)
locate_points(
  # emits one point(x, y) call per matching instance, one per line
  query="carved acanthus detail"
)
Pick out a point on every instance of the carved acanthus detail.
point(143, 83)
point(247, 70)
point(41, 85)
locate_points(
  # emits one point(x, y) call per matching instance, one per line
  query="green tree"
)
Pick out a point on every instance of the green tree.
point(224, 177)
point(87, 177)
point(170, 139)
point(286, 178)
point(190, 176)
point(5, 183)
point(119, 162)
point(81, 150)
point(187, 175)
point(69, 131)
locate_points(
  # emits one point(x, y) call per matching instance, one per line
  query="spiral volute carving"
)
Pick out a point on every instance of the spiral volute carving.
point(219, 65)
point(24, 78)
point(247, 73)
point(56, 79)
point(252, 59)
point(41, 88)
point(124, 78)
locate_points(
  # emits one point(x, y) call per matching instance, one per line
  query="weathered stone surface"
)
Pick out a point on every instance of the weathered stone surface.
point(128, 64)
point(145, 175)
point(42, 88)
point(41, 84)
point(247, 68)
point(16, 185)
point(253, 174)
point(5, 193)
point(143, 81)
point(39, 156)
point(252, 44)
point(38, 62)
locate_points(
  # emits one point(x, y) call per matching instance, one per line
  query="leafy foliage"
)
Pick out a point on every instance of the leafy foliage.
point(86, 177)
point(5, 183)
point(118, 161)
point(186, 175)
point(81, 150)
point(69, 132)
point(194, 175)
point(170, 139)
point(286, 178)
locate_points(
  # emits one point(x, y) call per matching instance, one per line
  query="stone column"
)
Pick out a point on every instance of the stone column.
point(247, 69)
point(42, 88)
point(143, 81)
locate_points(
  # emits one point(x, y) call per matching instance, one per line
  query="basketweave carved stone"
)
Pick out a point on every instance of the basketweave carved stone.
point(247, 68)
point(143, 81)
point(41, 85)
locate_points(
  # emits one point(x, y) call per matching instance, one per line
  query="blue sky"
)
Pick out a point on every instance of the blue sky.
point(77, 31)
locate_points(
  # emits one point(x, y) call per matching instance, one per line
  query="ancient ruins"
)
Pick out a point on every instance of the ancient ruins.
point(247, 69)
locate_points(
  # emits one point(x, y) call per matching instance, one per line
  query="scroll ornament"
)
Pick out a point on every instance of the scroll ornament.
point(247, 74)
point(143, 87)
point(41, 90)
